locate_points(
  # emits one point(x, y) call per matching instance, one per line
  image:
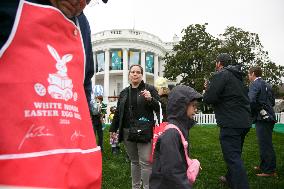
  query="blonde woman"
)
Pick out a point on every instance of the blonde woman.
point(161, 85)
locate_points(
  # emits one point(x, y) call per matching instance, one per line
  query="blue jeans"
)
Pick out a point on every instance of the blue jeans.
point(232, 140)
point(266, 151)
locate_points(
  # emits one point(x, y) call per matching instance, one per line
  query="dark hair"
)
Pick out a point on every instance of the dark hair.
point(224, 59)
point(256, 70)
point(136, 65)
point(100, 98)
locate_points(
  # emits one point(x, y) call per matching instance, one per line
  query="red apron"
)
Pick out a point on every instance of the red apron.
point(46, 137)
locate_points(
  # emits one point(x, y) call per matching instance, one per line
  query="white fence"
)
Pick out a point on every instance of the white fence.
point(205, 119)
point(209, 119)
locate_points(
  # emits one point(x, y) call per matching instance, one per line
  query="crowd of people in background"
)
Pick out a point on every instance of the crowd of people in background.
point(235, 107)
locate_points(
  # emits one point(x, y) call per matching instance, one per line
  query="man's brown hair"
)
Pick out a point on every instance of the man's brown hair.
point(256, 70)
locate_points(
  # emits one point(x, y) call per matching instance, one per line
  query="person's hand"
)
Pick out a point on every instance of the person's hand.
point(69, 8)
point(146, 94)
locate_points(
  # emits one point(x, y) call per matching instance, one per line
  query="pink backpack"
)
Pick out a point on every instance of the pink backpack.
point(158, 130)
point(193, 164)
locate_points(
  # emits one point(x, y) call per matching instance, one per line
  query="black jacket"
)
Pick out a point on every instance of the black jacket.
point(169, 162)
point(89, 66)
point(145, 108)
point(228, 95)
point(261, 97)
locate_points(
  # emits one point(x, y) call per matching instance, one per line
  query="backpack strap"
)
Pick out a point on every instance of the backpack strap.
point(184, 142)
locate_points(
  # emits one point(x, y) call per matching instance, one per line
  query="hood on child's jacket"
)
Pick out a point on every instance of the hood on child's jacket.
point(169, 168)
point(178, 100)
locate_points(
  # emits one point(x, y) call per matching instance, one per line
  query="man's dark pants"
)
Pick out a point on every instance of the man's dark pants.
point(98, 129)
point(231, 140)
point(267, 155)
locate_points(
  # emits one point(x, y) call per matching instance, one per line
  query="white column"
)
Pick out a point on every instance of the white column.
point(95, 66)
point(143, 59)
point(156, 67)
point(106, 76)
point(162, 68)
point(125, 68)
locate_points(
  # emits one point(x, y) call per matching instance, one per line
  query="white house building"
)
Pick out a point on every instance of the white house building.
point(115, 50)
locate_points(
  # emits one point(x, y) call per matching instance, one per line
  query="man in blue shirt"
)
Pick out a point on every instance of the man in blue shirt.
point(262, 101)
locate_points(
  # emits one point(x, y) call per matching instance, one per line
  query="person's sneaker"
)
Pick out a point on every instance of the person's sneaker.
point(267, 174)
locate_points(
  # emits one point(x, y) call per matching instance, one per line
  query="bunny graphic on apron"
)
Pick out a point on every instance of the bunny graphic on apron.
point(46, 137)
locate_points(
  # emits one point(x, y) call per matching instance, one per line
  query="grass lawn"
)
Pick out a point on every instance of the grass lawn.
point(206, 148)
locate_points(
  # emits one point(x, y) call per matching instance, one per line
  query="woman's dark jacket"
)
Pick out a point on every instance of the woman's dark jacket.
point(144, 108)
point(169, 163)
